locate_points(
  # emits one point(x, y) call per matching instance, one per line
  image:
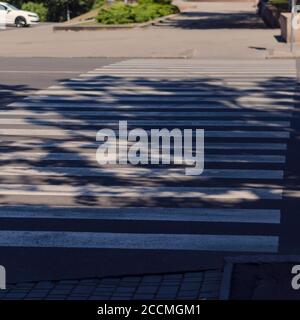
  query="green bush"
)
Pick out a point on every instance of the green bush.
point(118, 13)
point(168, 9)
point(57, 9)
point(155, 1)
point(145, 10)
point(99, 3)
point(37, 8)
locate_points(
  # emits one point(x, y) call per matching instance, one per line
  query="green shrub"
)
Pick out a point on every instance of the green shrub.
point(99, 3)
point(118, 13)
point(167, 9)
point(145, 10)
point(37, 8)
point(155, 1)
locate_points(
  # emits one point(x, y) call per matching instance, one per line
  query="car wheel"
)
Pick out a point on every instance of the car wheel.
point(20, 22)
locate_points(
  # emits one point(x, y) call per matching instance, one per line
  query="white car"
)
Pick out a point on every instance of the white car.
point(19, 18)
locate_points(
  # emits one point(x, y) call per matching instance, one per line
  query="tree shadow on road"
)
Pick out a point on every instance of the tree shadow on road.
point(47, 158)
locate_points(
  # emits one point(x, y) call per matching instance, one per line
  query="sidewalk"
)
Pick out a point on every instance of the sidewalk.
point(212, 30)
point(185, 286)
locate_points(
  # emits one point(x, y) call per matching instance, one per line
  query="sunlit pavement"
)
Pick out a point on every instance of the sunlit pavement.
point(205, 33)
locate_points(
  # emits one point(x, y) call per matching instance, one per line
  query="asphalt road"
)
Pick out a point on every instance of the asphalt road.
point(21, 76)
point(14, 28)
point(115, 221)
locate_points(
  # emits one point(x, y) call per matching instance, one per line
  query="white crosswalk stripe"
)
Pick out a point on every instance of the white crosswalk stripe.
point(138, 241)
point(49, 169)
point(147, 214)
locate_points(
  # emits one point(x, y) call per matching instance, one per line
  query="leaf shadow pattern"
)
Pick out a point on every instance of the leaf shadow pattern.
point(64, 157)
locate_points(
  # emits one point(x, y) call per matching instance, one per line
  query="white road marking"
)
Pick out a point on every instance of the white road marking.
point(138, 172)
point(92, 133)
point(229, 195)
point(194, 242)
point(145, 214)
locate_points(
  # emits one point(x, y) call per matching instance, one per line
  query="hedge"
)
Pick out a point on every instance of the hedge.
point(145, 10)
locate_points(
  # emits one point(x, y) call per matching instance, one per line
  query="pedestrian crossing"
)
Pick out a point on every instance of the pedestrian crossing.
point(49, 170)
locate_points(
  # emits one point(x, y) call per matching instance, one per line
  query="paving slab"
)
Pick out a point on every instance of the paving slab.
point(140, 290)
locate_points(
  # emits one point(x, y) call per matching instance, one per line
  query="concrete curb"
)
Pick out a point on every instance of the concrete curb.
point(225, 289)
point(78, 27)
point(282, 54)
